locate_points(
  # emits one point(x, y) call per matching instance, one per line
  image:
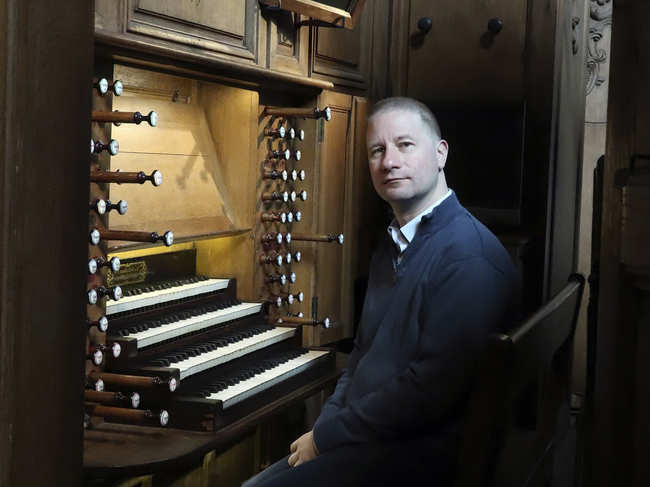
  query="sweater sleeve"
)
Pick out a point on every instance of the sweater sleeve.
point(459, 309)
point(337, 399)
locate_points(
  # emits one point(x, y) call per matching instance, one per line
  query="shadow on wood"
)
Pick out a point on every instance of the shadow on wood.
point(519, 406)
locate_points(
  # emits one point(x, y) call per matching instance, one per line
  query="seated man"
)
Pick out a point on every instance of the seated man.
point(439, 284)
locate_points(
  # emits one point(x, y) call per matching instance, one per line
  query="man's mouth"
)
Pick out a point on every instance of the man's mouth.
point(393, 180)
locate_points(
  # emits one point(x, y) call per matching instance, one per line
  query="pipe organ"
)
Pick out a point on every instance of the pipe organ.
point(178, 338)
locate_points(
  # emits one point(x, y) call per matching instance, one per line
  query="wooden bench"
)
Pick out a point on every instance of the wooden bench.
point(519, 407)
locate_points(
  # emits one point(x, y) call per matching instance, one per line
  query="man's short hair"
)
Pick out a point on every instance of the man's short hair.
point(411, 105)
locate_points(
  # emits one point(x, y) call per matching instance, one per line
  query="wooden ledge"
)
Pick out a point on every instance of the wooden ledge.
point(114, 450)
point(129, 48)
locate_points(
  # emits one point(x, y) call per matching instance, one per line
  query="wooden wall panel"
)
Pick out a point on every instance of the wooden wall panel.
point(45, 103)
point(455, 61)
point(304, 270)
point(227, 28)
point(343, 56)
point(202, 145)
point(287, 48)
point(332, 282)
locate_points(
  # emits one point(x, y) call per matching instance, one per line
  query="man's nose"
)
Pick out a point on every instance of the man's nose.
point(390, 159)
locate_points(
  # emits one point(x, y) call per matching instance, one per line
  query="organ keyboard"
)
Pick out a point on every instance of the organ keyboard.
point(194, 329)
point(165, 291)
point(224, 394)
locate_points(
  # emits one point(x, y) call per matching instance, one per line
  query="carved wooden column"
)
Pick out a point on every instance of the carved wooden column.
point(45, 90)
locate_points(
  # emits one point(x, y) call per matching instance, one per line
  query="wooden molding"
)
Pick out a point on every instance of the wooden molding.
point(121, 45)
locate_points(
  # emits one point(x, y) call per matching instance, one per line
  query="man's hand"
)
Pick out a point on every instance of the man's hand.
point(303, 450)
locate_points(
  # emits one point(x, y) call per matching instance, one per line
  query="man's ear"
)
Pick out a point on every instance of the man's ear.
point(442, 149)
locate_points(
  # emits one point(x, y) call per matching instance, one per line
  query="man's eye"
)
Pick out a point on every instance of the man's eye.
point(405, 144)
point(377, 150)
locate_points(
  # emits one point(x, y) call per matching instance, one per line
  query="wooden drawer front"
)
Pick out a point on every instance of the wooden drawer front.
point(287, 46)
point(226, 27)
point(341, 55)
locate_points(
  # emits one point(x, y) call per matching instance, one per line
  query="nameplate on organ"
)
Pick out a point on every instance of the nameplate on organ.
point(315, 113)
point(125, 117)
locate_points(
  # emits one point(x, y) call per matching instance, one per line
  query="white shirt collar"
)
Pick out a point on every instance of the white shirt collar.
point(402, 236)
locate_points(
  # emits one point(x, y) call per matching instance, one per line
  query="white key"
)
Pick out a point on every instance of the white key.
point(246, 388)
point(193, 365)
point(164, 295)
point(194, 323)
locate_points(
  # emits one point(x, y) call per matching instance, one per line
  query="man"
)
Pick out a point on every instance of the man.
point(439, 284)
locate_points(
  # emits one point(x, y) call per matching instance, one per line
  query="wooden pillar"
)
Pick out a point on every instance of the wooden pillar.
point(46, 55)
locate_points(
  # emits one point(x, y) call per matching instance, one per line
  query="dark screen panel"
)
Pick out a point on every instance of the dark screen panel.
point(485, 160)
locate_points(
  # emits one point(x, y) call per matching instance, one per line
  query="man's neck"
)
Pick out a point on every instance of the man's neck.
point(405, 214)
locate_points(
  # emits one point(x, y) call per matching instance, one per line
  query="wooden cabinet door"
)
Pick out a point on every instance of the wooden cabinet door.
point(225, 27)
point(458, 60)
point(341, 55)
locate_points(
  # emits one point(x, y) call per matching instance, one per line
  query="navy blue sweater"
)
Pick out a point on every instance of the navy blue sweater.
point(424, 322)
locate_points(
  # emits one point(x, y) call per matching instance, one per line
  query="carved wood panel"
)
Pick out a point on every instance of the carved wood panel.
point(288, 47)
point(341, 55)
point(458, 59)
point(227, 27)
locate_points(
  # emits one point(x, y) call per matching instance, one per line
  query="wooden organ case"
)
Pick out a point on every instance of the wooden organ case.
point(204, 311)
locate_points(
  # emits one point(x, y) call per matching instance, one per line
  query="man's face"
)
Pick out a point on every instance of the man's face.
point(404, 158)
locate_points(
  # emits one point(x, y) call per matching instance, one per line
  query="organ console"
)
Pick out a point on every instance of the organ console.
point(120, 177)
point(125, 117)
point(315, 113)
point(96, 263)
point(133, 236)
point(97, 147)
point(113, 398)
point(204, 357)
